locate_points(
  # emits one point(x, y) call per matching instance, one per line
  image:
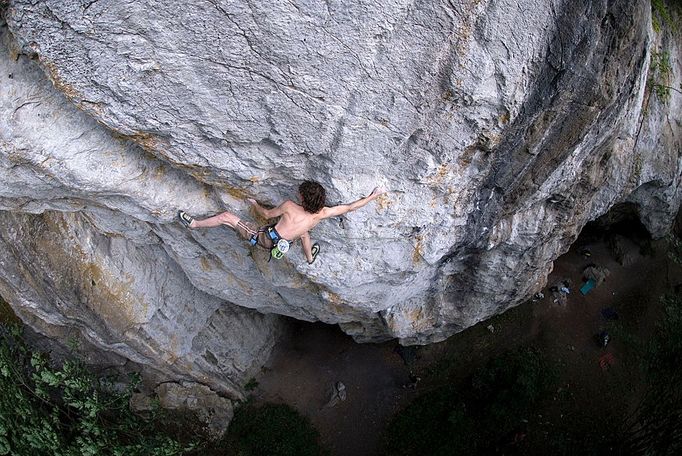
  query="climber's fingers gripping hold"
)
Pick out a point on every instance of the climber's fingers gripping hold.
point(377, 192)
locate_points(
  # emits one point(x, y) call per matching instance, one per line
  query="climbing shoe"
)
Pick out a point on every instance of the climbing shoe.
point(314, 250)
point(185, 218)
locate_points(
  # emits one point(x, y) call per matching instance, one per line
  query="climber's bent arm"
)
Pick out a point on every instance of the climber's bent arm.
point(307, 246)
point(268, 213)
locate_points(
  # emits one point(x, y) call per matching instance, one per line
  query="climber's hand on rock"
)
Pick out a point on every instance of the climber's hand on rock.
point(377, 191)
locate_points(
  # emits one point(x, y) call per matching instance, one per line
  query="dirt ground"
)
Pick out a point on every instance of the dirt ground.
point(303, 371)
point(593, 381)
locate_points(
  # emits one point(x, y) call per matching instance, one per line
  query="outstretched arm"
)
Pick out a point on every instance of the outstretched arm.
point(267, 213)
point(307, 247)
point(341, 209)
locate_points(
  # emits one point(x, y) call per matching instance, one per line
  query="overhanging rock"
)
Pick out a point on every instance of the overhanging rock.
point(501, 128)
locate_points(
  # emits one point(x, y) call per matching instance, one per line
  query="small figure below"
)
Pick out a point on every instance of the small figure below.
point(338, 394)
point(296, 220)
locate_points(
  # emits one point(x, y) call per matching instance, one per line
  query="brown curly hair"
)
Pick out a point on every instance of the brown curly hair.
point(313, 196)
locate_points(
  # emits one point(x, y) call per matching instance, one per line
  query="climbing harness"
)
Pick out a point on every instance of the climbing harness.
point(280, 245)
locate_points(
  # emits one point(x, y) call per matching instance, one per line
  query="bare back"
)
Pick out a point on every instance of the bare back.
point(295, 221)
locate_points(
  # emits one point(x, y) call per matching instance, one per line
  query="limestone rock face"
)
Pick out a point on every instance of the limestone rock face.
point(500, 128)
point(83, 258)
point(67, 279)
point(211, 408)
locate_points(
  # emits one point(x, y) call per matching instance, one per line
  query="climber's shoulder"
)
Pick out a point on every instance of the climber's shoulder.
point(289, 207)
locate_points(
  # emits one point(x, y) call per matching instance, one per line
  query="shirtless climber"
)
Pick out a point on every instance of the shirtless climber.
point(295, 220)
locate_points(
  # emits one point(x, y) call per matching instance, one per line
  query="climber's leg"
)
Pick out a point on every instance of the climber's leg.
point(226, 218)
point(250, 232)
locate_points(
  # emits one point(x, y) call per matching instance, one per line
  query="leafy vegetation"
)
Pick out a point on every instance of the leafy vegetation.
point(675, 249)
point(514, 405)
point(490, 409)
point(273, 430)
point(660, 71)
point(660, 15)
point(656, 425)
point(67, 411)
point(251, 385)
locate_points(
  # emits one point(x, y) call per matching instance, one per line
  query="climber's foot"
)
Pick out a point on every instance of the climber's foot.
point(314, 251)
point(185, 219)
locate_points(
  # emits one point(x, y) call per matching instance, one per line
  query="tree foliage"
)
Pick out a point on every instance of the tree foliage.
point(656, 424)
point(66, 410)
point(273, 430)
point(472, 419)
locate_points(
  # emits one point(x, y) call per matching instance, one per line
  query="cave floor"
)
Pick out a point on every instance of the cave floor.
point(304, 369)
point(313, 357)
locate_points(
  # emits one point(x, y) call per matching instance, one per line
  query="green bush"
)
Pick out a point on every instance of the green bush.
point(273, 430)
point(675, 249)
point(659, 75)
point(473, 418)
point(656, 424)
point(66, 410)
point(666, 351)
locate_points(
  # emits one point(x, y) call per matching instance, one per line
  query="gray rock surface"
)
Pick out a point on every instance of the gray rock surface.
point(210, 408)
point(68, 280)
point(92, 267)
point(501, 128)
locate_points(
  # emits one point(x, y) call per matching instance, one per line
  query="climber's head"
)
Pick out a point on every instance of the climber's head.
point(313, 196)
